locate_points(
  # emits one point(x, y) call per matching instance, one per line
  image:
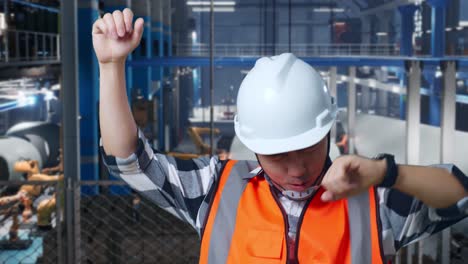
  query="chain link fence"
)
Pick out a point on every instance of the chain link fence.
point(119, 226)
point(113, 225)
point(29, 228)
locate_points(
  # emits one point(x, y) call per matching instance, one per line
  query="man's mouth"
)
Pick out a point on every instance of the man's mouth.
point(298, 187)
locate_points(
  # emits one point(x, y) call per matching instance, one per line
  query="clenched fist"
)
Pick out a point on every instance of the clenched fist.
point(351, 175)
point(115, 36)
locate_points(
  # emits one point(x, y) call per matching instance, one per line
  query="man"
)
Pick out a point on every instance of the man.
point(299, 207)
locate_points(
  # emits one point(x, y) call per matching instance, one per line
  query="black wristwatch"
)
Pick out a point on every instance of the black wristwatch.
point(392, 170)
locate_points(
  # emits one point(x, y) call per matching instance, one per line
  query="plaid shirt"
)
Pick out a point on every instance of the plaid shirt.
point(184, 188)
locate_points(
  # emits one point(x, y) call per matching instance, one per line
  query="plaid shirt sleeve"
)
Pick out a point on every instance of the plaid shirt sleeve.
point(406, 220)
point(181, 187)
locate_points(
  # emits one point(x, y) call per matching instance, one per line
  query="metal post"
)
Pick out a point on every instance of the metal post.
point(17, 45)
point(413, 115)
point(176, 103)
point(71, 137)
point(264, 25)
point(59, 192)
point(149, 51)
point(58, 48)
point(448, 111)
point(27, 45)
point(260, 19)
point(448, 117)
point(274, 28)
point(420, 251)
point(289, 25)
point(382, 95)
point(36, 46)
point(7, 31)
point(333, 93)
point(351, 108)
point(43, 45)
point(51, 46)
point(211, 78)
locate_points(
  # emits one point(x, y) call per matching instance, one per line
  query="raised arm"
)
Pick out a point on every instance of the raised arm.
point(180, 187)
point(114, 37)
point(435, 187)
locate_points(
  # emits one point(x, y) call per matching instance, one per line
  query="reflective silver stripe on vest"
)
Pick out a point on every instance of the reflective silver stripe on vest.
point(225, 219)
point(360, 229)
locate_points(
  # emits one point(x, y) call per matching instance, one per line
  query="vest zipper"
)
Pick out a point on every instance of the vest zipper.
point(328, 163)
point(299, 224)
point(286, 221)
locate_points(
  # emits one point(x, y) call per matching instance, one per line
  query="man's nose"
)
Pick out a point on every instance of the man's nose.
point(296, 166)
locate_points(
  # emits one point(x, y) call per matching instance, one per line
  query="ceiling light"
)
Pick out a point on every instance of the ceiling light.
point(463, 23)
point(208, 3)
point(215, 9)
point(327, 9)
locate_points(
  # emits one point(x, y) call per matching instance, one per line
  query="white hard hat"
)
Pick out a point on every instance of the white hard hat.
point(283, 105)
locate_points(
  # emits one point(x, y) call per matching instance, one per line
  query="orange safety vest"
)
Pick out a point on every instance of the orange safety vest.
point(246, 224)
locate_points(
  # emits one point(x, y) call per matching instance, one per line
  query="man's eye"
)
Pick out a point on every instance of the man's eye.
point(311, 149)
point(276, 157)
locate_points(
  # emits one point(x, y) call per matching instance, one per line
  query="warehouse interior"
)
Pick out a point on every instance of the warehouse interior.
point(398, 70)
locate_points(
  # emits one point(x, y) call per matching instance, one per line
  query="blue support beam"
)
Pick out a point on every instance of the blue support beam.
point(438, 27)
point(250, 61)
point(407, 29)
point(89, 94)
point(406, 45)
point(316, 61)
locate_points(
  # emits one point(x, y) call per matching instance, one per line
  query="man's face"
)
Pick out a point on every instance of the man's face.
point(296, 170)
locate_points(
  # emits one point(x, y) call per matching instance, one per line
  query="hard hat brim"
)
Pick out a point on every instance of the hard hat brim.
point(276, 146)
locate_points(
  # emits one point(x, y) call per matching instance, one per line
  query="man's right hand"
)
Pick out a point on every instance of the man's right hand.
point(115, 36)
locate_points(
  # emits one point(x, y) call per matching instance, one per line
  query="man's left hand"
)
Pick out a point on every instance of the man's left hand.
point(350, 175)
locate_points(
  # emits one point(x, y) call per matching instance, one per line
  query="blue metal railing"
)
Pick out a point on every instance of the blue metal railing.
point(25, 3)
